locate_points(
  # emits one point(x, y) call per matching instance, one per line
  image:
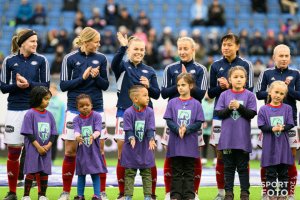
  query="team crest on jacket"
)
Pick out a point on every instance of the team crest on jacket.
point(44, 131)
point(86, 132)
point(184, 117)
point(145, 71)
point(95, 62)
point(139, 130)
point(34, 62)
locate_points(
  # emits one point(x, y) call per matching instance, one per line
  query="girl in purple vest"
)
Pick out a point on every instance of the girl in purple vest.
point(87, 129)
point(184, 116)
point(275, 119)
point(236, 107)
point(39, 129)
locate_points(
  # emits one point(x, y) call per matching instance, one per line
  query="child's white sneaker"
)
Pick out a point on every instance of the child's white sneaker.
point(196, 196)
point(64, 196)
point(167, 197)
point(26, 198)
point(43, 198)
point(103, 196)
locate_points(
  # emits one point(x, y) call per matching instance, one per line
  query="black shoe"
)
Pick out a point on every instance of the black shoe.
point(79, 198)
point(153, 197)
point(121, 196)
point(10, 196)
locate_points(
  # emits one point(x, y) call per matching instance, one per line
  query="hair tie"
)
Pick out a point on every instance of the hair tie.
point(24, 37)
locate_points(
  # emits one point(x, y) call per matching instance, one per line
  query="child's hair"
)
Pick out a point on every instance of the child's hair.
point(188, 39)
point(134, 90)
point(19, 38)
point(231, 70)
point(83, 96)
point(133, 39)
point(86, 35)
point(278, 83)
point(187, 77)
point(37, 94)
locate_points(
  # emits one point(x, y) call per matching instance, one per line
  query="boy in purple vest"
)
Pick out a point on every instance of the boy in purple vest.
point(137, 152)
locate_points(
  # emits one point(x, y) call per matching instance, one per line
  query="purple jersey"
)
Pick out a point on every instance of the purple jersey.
point(275, 148)
point(183, 112)
point(236, 130)
point(140, 123)
point(42, 126)
point(89, 159)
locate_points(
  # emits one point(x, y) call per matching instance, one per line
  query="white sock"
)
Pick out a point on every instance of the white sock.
point(221, 192)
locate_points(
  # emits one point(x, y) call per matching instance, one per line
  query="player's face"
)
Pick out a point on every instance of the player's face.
point(143, 97)
point(84, 106)
point(277, 94)
point(184, 89)
point(93, 45)
point(136, 51)
point(29, 46)
point(237, 80)
point(282, 57)
point(229, 48)
point(45, 101)
point(185, 51)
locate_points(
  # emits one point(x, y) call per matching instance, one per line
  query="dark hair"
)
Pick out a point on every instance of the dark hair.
point(83, 96)
point(231, 70)
point(37, 94)
point(134, 89)
point(231, 36)
point(187, 77)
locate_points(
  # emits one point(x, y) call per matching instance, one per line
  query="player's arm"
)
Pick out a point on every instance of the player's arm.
point(6, 84)
point(294, 92)
point(198, 92)
point(261, 86)
point(66, 80)
point(214, 89)
point(102, 79)
point(168, 90)
point(153, 89)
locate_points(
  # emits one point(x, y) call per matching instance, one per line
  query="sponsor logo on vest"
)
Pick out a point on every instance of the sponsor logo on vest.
point(217, 129)
point(9, 129)
point(292, 133)
point(70, 125)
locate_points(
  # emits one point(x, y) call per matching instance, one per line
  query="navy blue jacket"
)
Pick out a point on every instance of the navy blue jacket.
point(127, 75)
point(269, 75)
point(73, 66)
point(34, 68)
point(220, 69)
point(169, 86)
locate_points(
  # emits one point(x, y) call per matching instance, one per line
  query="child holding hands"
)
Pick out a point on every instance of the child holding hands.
point(137, 152)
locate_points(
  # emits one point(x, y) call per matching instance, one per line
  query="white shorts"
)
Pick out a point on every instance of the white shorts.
point(119, 131)
point(216, 132)
point(13, 124)
point(165, 137)
point(68, 131)
point(293, 138)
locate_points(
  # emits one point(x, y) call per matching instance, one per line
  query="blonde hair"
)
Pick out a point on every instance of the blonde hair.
point(190, 40)
point(86, 35)
point(134, 39)
point(279, 47)
point(276, 83)
point(14, 41)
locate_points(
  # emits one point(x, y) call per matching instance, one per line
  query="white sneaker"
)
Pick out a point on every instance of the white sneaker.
point(265, 197)
point(219, 197)
point(43, 198)
point(26, 198)
point(196, 196)
point(103, 196)
point(167, 197)
point(64, 196)
point(291, 197)
point(203, 161)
